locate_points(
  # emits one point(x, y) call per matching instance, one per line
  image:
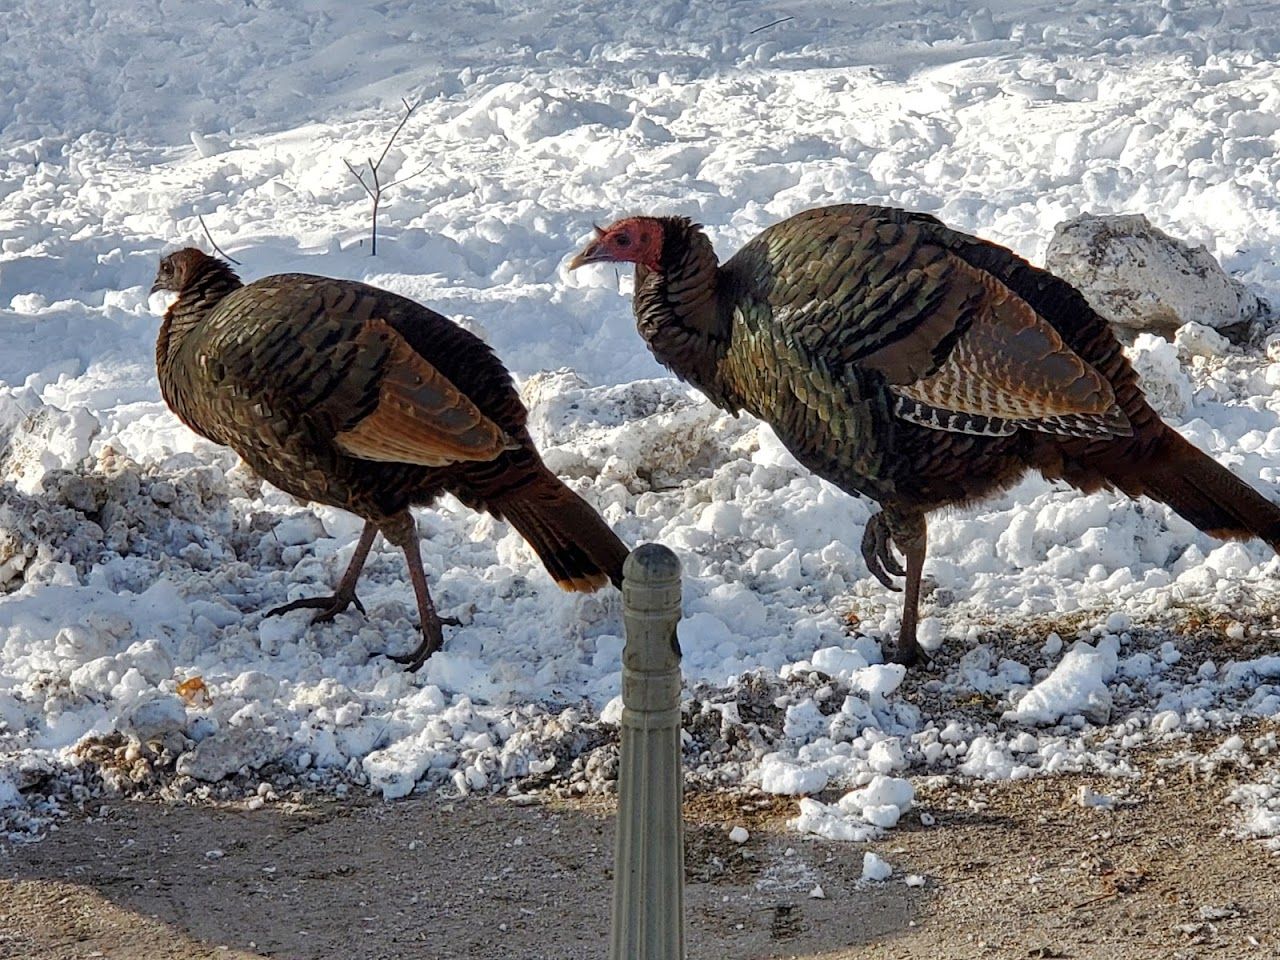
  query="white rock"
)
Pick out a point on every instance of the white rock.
point(226, 752)
point(1139, 277)
point(739, 835)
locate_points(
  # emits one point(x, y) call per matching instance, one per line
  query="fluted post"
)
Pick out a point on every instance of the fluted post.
point(648, 882)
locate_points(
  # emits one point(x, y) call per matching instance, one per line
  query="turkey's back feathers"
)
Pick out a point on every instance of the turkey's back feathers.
point(871, 289)
point(343, 393)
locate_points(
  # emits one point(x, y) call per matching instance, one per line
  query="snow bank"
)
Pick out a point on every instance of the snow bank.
point(1078, 685)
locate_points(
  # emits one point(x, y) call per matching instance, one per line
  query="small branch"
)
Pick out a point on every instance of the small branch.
point(394, 183)
point(359, 176)
point(375, 192)
point(225, 255)
point(768, 25)
point(408, 112)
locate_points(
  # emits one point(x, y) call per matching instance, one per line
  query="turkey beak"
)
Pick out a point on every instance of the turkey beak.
point(591, 253)
point(157, 286)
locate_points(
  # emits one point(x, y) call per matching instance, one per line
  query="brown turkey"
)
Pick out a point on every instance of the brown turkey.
point(916, 365)
point(341, 393)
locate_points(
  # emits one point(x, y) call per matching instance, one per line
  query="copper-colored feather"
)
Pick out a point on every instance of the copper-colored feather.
point(420, 417)
point(1011, 364)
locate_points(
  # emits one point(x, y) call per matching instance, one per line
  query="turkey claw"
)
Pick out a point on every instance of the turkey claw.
point(877, 551)
point(432, 640)
point(328, 607)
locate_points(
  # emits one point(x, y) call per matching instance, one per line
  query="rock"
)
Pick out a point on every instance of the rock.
point(1140, 278)
point(153, 719)
point(222, 754)
point(14, 554)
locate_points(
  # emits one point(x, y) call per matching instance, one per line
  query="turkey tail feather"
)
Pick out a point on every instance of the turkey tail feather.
point(1208, 495)
point(576, 546)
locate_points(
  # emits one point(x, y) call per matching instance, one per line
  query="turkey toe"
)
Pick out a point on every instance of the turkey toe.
point(327, 607)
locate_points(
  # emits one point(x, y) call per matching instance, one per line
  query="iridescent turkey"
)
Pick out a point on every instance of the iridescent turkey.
point(916, 365)
point(351, 396)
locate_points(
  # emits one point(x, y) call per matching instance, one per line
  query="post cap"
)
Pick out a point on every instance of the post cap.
point(651, 563)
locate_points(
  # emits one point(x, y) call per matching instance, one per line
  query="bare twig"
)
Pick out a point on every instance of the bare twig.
point(768, 25)
point(396, 183)
point(359, 176)
point(225, 255)
point(377, 188)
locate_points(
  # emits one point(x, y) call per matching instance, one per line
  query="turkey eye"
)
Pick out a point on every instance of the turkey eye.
point(624, 240)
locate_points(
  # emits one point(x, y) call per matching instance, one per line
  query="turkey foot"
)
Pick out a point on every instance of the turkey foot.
point(401, 531)
point(329, 607)
point(877, 551)
point(432, 640)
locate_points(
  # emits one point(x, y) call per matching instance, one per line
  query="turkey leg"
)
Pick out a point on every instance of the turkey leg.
point(910, 534)
point(330, 607)
point(404, 534)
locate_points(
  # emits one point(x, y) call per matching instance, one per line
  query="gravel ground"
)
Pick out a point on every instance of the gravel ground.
point(1010, 870)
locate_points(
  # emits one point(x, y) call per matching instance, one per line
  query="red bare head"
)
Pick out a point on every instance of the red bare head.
point(631, 240)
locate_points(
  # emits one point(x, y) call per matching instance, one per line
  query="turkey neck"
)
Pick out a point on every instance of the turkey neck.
point(198, 296)
point(679, 311)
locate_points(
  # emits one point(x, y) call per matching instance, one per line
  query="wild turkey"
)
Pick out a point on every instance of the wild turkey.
point(351, 396)
point(916, 365)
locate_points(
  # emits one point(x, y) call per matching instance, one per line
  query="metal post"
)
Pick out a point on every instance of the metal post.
point(648, 882)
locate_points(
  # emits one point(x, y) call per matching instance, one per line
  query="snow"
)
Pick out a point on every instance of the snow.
point(874, 868)
point(1077, 685)
point(861, 814)
point(136, 557)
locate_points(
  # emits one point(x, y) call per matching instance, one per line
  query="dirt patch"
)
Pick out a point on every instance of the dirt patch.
point(1008, 870)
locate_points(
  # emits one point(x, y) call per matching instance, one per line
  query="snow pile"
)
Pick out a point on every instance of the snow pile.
point(1259, 801)
point(1077, 685)
point(875, 869)
point(861, 814)
point(137, 560)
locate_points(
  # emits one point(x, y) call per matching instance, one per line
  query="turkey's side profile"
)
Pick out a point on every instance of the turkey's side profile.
point(351, 396)
point(916, 365)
